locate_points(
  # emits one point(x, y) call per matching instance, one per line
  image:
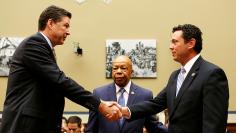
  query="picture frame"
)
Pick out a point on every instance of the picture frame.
point(142, 53)
point(8, 46)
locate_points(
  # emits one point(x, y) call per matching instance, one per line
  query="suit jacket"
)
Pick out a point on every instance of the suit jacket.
point(201, 105)
point(98, 124)
point(36, 90)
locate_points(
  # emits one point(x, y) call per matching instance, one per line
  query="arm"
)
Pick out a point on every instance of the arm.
point(215, 102)
point(152, 124)
point(39, 61)
point(147, 108)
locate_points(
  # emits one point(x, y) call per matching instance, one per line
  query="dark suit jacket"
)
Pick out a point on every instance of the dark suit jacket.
point(98, 124)
point(201, 105)
point(36, 90)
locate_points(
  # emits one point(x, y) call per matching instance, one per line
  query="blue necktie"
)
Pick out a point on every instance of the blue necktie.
point(180, 80)
point(121, 101)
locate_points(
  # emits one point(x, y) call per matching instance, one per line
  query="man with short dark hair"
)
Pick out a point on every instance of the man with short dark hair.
point(37, 87)
point(74, 124)
point(196, 95)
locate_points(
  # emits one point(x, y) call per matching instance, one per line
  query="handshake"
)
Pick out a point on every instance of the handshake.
point(113, 111)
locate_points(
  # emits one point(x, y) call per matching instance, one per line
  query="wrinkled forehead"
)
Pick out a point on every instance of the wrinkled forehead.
point(120, 63)
point(122, 59)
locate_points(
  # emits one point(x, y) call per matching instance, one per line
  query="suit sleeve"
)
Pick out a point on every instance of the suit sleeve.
point(152, 124)
point(215, 102)
point(39, 61)
point(92, 125)
point(150, 107)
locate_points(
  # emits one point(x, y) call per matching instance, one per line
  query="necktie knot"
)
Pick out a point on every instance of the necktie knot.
point(183, 71)
point(122, 90)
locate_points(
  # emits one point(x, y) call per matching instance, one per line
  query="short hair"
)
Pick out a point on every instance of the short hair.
point(191, 31)
point(64, 118)
point(75, 119)
point(52, 12)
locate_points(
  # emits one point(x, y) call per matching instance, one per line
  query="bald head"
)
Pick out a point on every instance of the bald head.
point(124, 59)
point(122, 70)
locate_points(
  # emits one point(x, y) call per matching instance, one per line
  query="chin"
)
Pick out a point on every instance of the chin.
point(119, 83)
point(61, 43)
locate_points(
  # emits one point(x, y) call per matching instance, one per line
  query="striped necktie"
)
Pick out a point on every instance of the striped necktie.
point(121, 101)
point(180, 80)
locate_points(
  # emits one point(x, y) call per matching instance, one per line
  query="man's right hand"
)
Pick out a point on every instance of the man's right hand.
point(111, 110)
point(125, 112)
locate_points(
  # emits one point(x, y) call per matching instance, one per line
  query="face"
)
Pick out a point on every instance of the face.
point(59, 30)
point(178, 47)
point(121, 70)
point(74, 128)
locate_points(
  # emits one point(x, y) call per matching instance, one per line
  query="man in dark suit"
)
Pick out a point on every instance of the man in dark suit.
point(121, 74)
point(200, 104)
point(37, 87)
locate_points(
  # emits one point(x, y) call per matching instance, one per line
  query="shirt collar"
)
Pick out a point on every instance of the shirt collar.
point(49, 42)
point(190, 63)
point(127, 87)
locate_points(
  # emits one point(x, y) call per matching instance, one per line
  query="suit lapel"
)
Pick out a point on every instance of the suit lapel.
point(131, 99)
point(172, 91)
point(187, 82)
point(132, 94)
point(47, 45)
point(111, 93)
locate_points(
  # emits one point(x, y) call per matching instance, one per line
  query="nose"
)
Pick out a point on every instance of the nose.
point(68, 32)
point(119, 70)
point(171, 46)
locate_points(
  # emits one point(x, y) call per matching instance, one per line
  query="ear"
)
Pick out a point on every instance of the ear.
point(191, 43)
point(50, 23)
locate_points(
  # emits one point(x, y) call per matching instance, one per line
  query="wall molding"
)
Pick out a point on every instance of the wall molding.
point(84, 115)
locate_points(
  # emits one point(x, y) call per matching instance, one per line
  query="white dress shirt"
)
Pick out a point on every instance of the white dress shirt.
point(189, 65)
point(126, 93)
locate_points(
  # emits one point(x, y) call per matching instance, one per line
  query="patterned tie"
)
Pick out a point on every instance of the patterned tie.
point(180, 80)
point(121, 101)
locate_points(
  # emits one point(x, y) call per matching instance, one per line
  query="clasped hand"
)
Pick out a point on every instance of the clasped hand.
point(111, 110)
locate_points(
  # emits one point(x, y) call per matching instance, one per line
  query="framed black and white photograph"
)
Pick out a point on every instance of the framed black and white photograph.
point(7, 48)
point(142, 53)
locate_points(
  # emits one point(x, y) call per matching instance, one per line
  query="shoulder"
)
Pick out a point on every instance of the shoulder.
point(208, 67)
point(103, 88)
point(35, 40)
point(142, 90)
